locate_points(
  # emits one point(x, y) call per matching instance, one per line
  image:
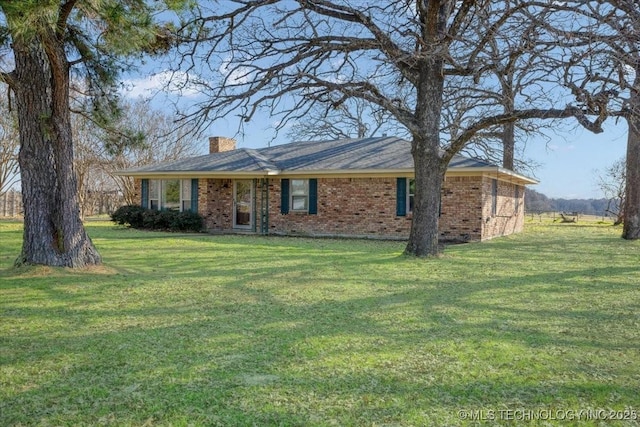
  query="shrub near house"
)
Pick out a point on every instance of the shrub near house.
point(169, 220)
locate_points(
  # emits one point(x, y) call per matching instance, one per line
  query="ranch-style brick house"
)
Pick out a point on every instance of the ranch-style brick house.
point(349, 187)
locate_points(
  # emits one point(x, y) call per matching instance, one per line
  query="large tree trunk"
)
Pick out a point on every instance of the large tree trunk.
point(424, 235)
point(430, 165)
point(53, 232)
point(631, 213)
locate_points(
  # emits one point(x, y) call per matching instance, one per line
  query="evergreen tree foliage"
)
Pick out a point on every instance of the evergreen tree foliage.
point(64, 49)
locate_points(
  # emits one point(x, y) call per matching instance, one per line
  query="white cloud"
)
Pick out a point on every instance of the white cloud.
point(177, 83)
point(237, 75)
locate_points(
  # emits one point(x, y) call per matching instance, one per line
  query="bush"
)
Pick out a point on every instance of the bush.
point(129, 215)
point(139, 217)
point(151, 220)
point(187, 221)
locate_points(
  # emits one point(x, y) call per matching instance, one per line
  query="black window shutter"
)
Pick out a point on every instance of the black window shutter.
point(284, 196)
point(494, 197)
point(401, 197)
point(194, 195)
point(145, 194)
point(313, 196)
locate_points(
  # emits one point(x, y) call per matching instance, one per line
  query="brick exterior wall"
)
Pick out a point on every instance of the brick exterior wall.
point(462, 205)
point(509, 215)
point(346, 206)
point(215, 203)
point(367, 207)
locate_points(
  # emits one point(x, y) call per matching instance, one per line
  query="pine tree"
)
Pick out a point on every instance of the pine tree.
point(51, 41)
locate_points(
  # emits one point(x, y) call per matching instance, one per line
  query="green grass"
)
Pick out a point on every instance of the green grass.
point(239, 331)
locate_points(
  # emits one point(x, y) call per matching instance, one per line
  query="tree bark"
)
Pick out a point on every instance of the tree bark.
point(509, 128)
point(631, 215)
point(430, 164)
point(424, 235)
point(508, 145)
point(53, 231)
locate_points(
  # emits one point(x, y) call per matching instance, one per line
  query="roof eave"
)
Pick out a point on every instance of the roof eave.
point(364, 173)
point(197, 174)
point(499, 172)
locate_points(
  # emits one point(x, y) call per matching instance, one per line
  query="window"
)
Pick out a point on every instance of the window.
point(516, 198)
point(170, 194)
point(411, 192)
point(185, 198)
point(299, 195)
point(154, 194)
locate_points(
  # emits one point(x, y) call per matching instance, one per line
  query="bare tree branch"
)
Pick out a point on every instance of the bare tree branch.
point(436, 67)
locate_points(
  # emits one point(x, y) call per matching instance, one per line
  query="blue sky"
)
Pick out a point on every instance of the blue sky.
point(571, 161)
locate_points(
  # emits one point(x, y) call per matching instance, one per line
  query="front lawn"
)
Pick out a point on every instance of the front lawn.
point(535, 329)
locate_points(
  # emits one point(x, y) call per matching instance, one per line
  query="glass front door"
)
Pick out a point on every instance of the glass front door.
point(243, 203)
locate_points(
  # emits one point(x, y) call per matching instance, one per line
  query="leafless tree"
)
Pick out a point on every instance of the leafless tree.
point(97, 190)
point(9, 145)
point(353, 119)
point(160, 140)
point(520, 76)
point(85, 160)
point(142, 135)
point(520, 67)
point(601, 63)
point(612, 182)
point(290, 56)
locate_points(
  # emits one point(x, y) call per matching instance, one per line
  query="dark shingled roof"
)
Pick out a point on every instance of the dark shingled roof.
point(364, 154)
point(242, 160)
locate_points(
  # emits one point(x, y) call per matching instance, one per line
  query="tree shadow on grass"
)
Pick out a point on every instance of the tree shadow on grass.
point(254, 357)
point(311, 334)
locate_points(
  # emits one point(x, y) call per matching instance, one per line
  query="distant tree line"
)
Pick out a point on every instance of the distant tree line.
point(538, 202)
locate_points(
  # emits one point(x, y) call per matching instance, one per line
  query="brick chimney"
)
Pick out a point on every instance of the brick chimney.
point(218, 144)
